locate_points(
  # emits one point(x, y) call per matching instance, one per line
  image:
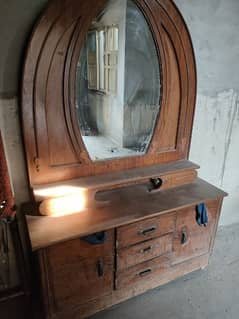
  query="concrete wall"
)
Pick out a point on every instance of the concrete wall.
point(16, 22)
point(214, 28)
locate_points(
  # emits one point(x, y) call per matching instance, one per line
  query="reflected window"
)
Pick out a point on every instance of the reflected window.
point(102, 59)
point(118, 83)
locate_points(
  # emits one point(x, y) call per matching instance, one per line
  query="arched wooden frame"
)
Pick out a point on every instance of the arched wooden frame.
point(54, 146)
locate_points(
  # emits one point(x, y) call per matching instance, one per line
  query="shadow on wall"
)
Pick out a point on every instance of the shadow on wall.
point(16, 23)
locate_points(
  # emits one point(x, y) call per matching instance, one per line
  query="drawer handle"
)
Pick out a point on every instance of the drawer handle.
point(149, 231)
point(100, 268)
point(145, 272)
point(184, 237)
point(146, 250)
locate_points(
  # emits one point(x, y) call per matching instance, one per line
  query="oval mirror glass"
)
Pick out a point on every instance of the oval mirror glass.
point(118, 83)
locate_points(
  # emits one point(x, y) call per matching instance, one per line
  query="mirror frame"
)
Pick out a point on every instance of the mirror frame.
point(54, 147)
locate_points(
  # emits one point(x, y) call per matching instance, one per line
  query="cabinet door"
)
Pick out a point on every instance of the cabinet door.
point(192, 240)
point(76, 272)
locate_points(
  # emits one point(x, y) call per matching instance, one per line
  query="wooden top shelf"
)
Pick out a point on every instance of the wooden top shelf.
point(113, 180)
point(128, 204)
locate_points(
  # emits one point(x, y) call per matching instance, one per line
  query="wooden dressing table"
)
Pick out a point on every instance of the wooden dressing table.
point(112, 221)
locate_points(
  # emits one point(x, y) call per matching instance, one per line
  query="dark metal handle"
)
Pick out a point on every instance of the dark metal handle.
point(145, 272)
point(184, 237)
point(146, 250)
point(155, 184)
point(100, 268)
point(148, 231)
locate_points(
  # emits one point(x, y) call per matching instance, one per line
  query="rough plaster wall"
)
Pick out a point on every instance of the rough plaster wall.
point(16, 22)
point(12, 139)
point(214, 27)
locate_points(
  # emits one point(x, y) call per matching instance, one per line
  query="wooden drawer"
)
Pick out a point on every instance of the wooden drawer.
point(139, 253)
point(146, 229)
point(192, 240)
point(143, 272)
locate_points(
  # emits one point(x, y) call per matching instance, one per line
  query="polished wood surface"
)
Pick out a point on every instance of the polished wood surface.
point(128, 205)
point(54, 147)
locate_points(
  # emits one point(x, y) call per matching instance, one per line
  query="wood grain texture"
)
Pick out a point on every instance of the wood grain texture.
point(173, 174)
point(137, 288)
point(142, 272)
point(54, 147)
point(128, 205)
point(69, 270)
point(147, 229)
point(198, 241)
point(152, 237)
point(137, 254)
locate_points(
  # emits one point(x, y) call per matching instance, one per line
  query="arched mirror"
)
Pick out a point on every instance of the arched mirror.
point(108, 86)
point(118, 83)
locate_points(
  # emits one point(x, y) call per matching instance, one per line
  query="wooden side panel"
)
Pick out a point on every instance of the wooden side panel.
point(198, 238)
point(60, 146)
point(170, 113)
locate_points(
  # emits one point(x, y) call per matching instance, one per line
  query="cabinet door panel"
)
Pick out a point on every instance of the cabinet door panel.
point(190, 239)
point(82, 281)
point(77, 248)
point(76, 272)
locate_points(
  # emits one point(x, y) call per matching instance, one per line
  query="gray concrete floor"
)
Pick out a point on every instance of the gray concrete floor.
point(211, 293)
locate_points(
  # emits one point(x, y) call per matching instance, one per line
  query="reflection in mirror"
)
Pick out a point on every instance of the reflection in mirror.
point(118, 83)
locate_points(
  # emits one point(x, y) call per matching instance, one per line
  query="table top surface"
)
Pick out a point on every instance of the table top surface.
point(126, 205)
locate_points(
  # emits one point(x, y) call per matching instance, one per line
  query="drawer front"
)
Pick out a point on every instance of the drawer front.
point(78, 249)
point(143, 272)
point(192, 240)
point(139, 253)
point(146, 229)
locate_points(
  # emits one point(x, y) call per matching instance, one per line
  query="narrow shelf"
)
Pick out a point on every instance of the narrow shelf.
point(112, 180)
